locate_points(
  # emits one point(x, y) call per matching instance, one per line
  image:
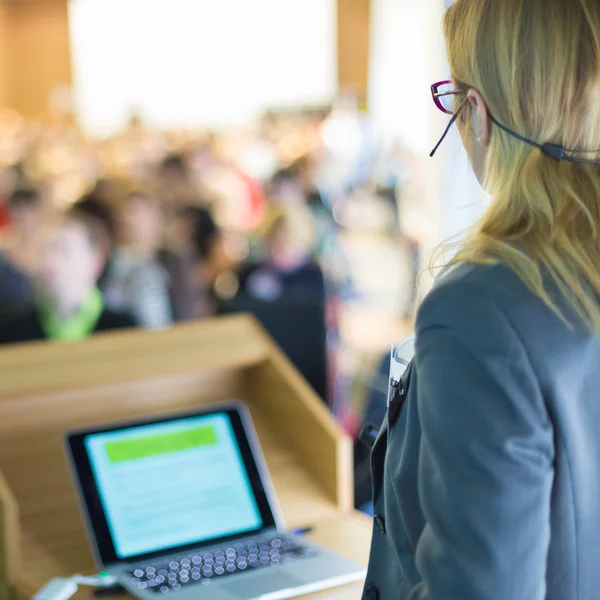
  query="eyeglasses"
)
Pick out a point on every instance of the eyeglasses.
point(444, 97)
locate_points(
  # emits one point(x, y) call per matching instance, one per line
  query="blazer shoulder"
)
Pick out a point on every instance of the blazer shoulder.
point(478, 298)
point(498, 283)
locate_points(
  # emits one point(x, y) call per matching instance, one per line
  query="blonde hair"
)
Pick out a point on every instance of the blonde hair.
point(295, 224)
point(537, 65)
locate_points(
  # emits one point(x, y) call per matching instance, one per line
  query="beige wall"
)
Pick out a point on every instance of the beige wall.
point(34, 53)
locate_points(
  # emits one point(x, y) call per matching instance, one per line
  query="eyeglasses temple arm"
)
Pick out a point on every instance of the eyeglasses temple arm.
point(452, 121)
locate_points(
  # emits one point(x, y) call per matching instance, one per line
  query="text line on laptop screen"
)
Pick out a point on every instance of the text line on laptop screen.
point(171, 484)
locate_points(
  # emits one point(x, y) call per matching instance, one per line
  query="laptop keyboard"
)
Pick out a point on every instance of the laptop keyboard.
point(205, 567)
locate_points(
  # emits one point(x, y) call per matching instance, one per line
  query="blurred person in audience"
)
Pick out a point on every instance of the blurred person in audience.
point(178, 274)
point(207, 243)
point(108, 191)
point(69, 305)
point(176, 184)
point(288, 271)
point(236, 198)
point(305, 171)
point(181, 285)
point(136, 281)
point(200, 242)
point(97, 207)
point(181, 280)
point(21, 252)
point(296, 185)
point(285, 188)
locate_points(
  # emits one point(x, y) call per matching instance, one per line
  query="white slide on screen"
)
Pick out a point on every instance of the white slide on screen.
point(199, 63)
point(170, 484)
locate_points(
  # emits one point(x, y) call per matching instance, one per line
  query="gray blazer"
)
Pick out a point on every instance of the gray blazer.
point(487, 481)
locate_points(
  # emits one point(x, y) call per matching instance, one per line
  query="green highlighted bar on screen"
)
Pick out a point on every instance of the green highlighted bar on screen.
point(154, 445)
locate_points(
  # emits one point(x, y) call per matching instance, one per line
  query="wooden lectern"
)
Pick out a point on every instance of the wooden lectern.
point(47, 389)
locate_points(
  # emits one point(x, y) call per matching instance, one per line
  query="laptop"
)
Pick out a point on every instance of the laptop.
point(183, 506)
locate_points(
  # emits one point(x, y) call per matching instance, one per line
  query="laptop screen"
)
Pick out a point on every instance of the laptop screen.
point(169, 484)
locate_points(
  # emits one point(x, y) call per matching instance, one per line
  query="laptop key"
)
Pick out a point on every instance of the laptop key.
point(173, 576)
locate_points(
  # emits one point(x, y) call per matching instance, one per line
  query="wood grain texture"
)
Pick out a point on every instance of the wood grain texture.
point(354, 39)
point(47, 389)
point(307, 426)
point(229, 342)
point(37, 44)
point(346, 534)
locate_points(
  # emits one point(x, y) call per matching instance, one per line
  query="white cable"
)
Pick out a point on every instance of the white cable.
point(61, 588)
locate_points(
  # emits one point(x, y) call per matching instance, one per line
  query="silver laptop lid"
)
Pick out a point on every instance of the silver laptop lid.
point(157, 486)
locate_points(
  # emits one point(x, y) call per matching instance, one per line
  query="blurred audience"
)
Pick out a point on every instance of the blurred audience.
point(285, 291)
point(168, 226)
point(96, 207)
point(288, 270)
point(304, 170)
point(69, 305)
point(21, 252)
point(176, 184)
point(199, 242)
point(136, 280)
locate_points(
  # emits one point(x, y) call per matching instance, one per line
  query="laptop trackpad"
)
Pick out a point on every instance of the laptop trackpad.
point(251, 587)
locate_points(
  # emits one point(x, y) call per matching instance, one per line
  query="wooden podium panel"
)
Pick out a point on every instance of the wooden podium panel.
point(10, 543)
point(48, 389)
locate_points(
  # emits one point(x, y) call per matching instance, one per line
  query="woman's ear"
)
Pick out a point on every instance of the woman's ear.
point(480, 118)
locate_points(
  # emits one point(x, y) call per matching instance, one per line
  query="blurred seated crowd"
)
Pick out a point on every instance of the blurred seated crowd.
point(146, 229)
point(122, 256)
